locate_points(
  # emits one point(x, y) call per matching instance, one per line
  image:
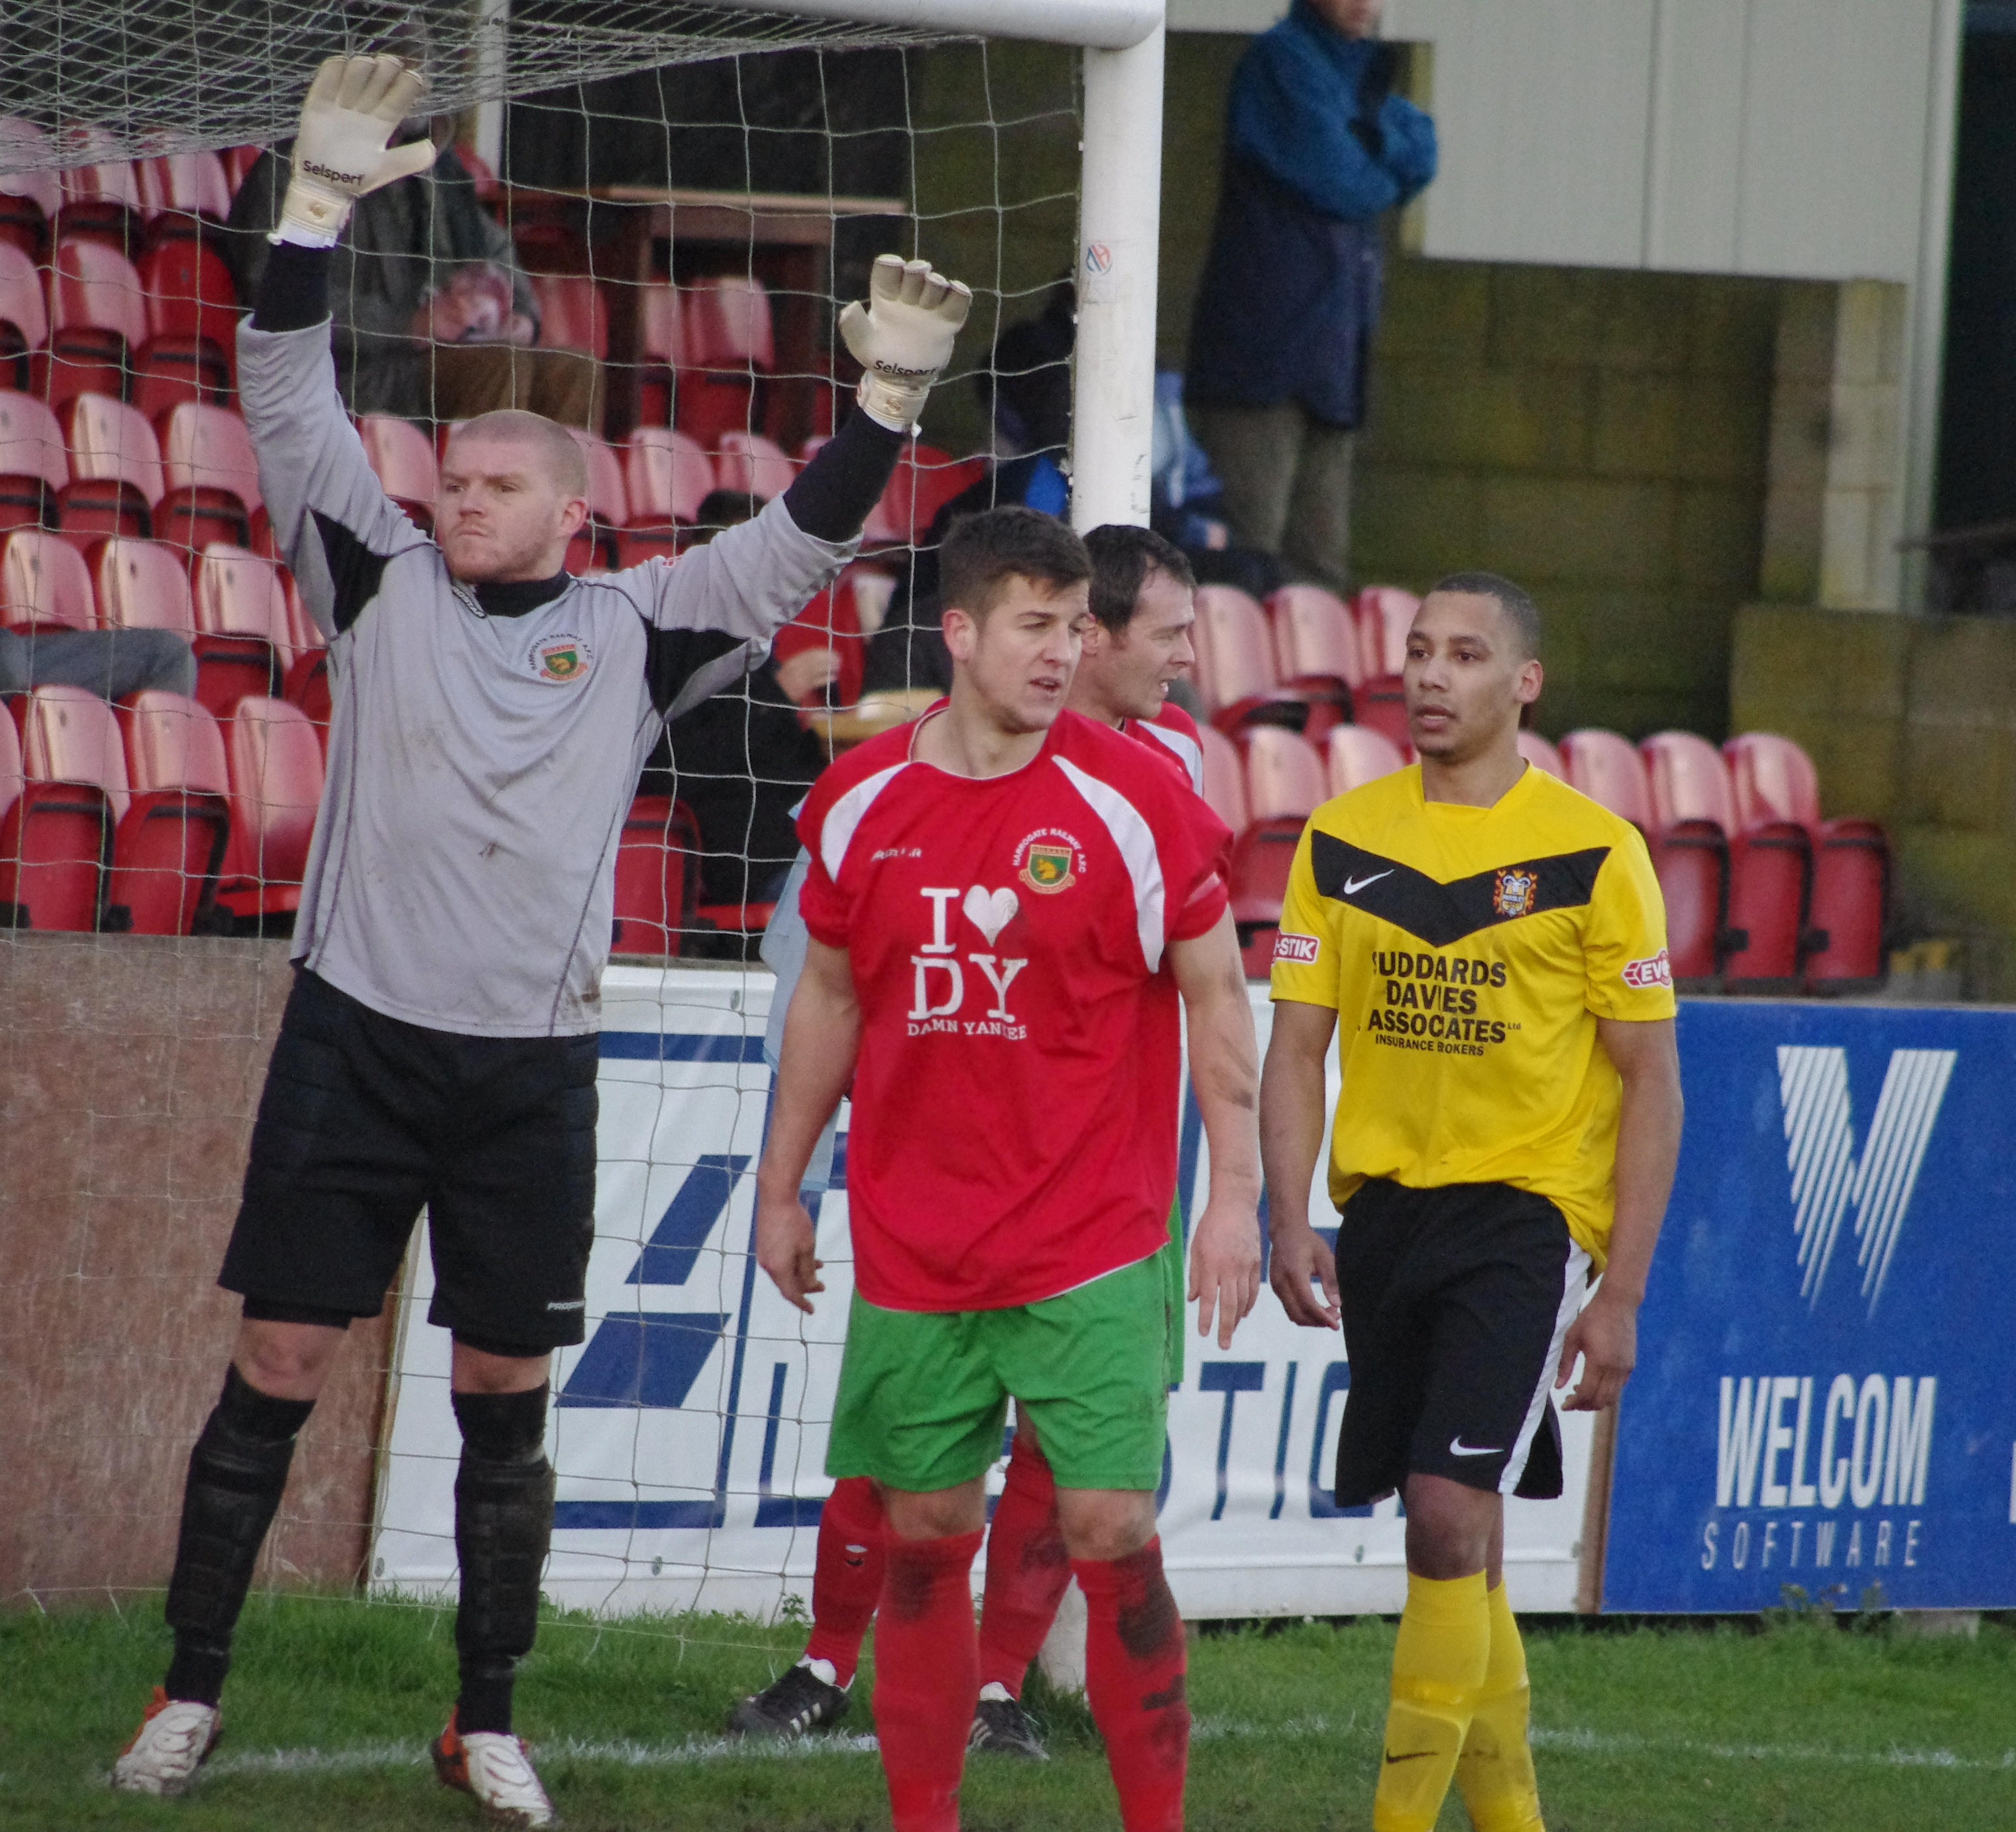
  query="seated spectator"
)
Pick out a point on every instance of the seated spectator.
point(742, 761)
point(432, 319)
point(111, 662)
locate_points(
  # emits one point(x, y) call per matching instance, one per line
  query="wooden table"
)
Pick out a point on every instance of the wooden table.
point(784, 240)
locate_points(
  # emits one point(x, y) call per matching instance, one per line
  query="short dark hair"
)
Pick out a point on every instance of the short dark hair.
point(1515, 601)
point(984, 552)
point(725, 509)
point(1122, 557)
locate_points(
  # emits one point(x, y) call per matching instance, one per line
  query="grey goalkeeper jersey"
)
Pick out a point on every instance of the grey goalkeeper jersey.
point(461, 875)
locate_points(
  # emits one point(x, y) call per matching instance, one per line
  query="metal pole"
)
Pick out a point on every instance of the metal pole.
point(1120, 222)
point(1111, 24)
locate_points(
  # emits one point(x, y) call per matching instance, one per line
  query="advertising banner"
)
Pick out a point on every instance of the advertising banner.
point(1826, 1392)
point(689, 1430)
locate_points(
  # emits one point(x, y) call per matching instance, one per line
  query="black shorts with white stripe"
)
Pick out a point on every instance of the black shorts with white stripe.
point(1455, 1303)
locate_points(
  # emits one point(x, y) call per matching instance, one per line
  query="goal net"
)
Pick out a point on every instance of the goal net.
point(642, 219)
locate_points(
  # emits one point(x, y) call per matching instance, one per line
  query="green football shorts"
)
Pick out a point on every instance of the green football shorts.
point(1172, 1257)
point(923, 1394)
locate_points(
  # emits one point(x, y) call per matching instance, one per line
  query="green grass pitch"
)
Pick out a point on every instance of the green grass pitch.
point(1804, 1724)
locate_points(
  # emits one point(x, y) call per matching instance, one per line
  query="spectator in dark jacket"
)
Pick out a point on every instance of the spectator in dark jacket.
point(1317, 148)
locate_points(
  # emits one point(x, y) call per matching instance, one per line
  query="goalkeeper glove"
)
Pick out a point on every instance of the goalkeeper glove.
point(903, 337)
point(354, 107)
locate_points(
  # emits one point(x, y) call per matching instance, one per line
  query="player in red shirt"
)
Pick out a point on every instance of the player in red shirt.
point(1138, 641)
point(992, 892)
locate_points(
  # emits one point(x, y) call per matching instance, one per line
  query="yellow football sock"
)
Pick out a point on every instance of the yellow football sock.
point(1496, 1770)
point(1439, 1662)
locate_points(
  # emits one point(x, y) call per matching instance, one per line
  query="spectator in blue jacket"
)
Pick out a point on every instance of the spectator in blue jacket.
point(1317, 148)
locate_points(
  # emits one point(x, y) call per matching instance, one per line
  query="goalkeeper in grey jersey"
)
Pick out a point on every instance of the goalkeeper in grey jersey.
point(491, 715)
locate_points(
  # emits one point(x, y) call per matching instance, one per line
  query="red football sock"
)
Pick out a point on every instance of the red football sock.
point(1027, 1569)
point(846, 1574)
point(926, 1678)
point(1134, 1662)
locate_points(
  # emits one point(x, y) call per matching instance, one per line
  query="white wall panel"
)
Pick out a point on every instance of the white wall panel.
point(1694, 156)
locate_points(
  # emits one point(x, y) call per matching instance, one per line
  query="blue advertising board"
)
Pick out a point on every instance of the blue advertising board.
point(1825, 1389)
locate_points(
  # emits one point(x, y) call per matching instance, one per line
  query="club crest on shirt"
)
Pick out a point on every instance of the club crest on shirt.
point(1050, 860)
point(561, 658)
point(1514, 890)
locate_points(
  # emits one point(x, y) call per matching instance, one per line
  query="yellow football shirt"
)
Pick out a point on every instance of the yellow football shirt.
point(1468, 953)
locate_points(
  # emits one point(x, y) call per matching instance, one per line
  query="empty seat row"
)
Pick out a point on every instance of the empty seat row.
point(1306, 659)
point(152, 818)
point(1761, 892)
point(93, 322)
point(90, 197)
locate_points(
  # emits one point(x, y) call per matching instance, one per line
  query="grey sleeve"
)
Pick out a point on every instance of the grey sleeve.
point(334, 524)
point(713, 615)
point(784, 952)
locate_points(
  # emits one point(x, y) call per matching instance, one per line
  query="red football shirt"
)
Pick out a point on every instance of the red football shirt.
point(1174, 734)
point(1008, 1141)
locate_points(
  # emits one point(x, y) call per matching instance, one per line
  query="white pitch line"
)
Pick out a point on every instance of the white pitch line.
point(379, 1756)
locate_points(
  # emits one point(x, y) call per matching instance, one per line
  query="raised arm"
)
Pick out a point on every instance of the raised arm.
point(332, 519)
point(1647, 1060)
point(1225, 1245)
point(1292, 1093)
point(821, 1036)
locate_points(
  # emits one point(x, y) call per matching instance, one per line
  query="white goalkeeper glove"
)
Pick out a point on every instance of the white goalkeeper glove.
point(354, 107)
point(903, 337)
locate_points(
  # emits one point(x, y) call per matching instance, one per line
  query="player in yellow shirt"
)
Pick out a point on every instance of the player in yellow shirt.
point(1488, 949)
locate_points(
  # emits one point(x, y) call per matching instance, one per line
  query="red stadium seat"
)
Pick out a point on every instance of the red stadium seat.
point(1384, 615)
point(98, 323)
point(211, 475)
point(662, 333)
point(1541, 755)
point(244, 642)
point(668, 476)
point(1607, 769)
point(56, 838)
point(276, 775)
point(1258, 877)
point(33, 466)
point(1358, 755)
point(44, 583)
point(1770, 865)
point(1235, 663)
point(101, 201)
point(748, 461)
point(729, 346)
point(1774, 781)
point(115, 468)
point(1379, 703)
point(183, 184)
point(1224, 777)
point(239, 160)
point(657, 877)
point(572, 314)
point(1315, 641)
point(29, 199)
point(404, 459)
point(595, 547)
point(1285, 777)
point(307, 687)
point(191, 326)
point(925, 479)
point(142, 584)
point(24, 316)
point(169, 845)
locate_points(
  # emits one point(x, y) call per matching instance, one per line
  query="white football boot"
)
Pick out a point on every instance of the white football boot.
point(496, 1769)
point(174, 1740)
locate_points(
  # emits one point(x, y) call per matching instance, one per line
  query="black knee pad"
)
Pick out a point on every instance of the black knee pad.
point(503, 1524)
point(237, 1472)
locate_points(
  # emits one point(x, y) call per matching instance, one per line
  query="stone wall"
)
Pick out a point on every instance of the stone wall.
point(129, 1075)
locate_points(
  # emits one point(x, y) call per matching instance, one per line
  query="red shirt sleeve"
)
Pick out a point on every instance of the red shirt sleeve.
point(1197, 853)
point(824, 906)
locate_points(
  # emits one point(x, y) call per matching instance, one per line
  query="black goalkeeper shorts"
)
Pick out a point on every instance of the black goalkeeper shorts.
point(365, 1119)
point(1454, 1304)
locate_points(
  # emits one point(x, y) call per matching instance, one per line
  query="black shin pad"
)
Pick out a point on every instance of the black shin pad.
point(236, 1474)
point(503, 1525)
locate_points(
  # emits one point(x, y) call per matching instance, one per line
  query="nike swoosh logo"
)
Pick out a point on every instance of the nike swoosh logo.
point(1353, 885)
point(1459, 1448)
point(1412, 1755)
